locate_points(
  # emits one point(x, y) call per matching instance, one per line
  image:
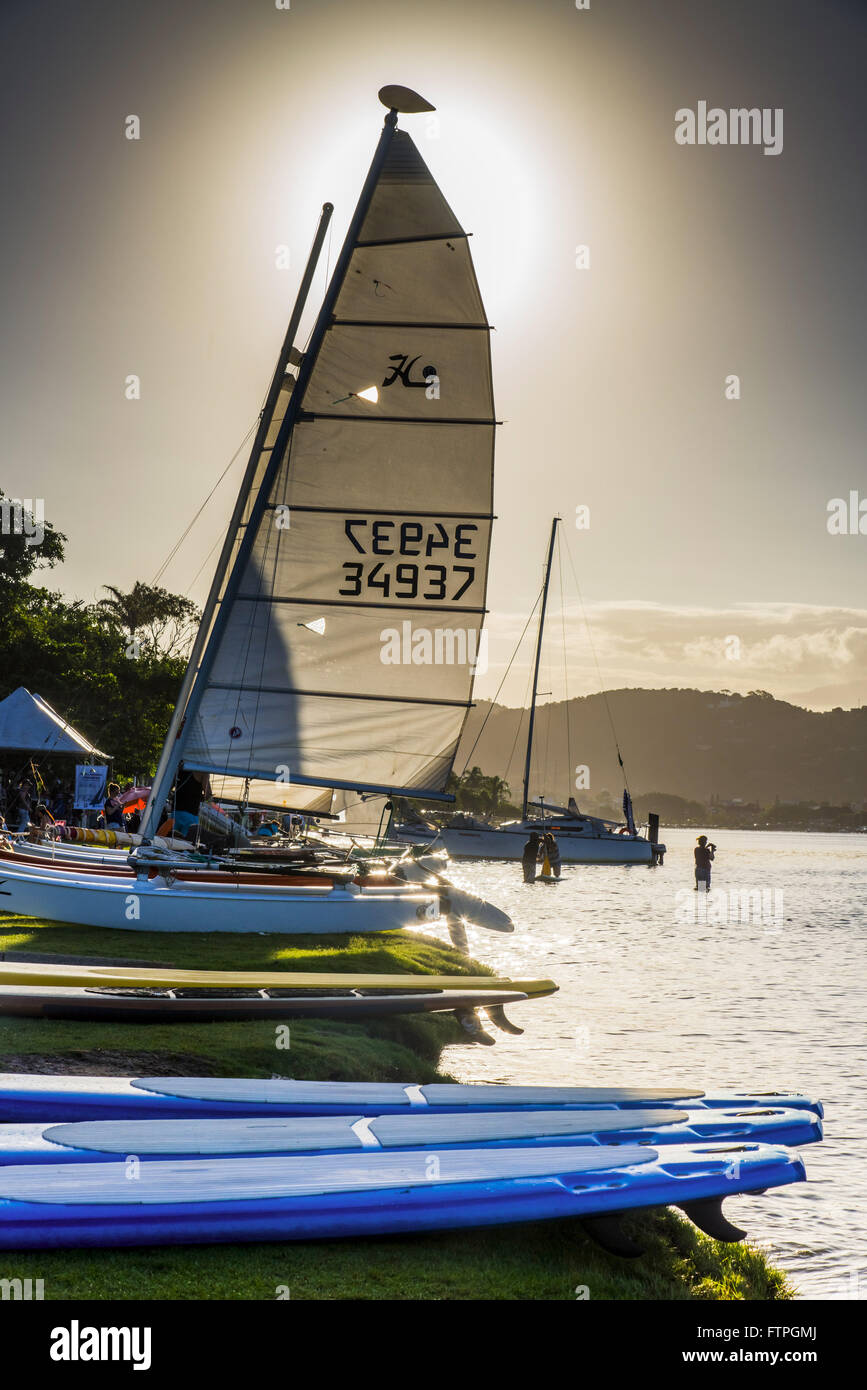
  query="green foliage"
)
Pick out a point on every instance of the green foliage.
point(113, 669)
point(474, 793)
point(66, 653)
point(548, 1260)
point(27, 543)
point(481, 795)
point(152, 620)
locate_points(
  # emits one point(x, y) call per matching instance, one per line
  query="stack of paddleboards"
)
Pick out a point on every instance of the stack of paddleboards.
point(119, 994)
point(93, 1161)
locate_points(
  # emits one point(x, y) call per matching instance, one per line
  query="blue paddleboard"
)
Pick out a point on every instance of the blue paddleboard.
point(103, 1141)
point(208, 1200)
point(42, 1098)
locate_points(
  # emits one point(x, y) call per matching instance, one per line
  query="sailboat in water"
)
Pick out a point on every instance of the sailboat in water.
point(366, 504)
point(581, 838)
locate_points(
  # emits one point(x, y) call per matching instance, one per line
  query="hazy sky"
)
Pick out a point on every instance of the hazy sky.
point(555, 130)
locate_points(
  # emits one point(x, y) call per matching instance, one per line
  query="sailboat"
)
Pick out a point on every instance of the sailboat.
point(366, 502)
point(581, 839)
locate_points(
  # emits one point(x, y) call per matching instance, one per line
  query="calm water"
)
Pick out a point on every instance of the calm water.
point(650, 997)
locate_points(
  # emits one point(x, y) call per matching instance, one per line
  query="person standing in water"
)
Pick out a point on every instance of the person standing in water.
point(551, 851)
point(704, 854)
point(529, 857)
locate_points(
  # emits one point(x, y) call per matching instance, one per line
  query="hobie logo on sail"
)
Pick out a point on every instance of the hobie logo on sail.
point(429, 381)
point(420, 646)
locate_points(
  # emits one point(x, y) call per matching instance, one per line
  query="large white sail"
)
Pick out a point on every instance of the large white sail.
point(342, 652)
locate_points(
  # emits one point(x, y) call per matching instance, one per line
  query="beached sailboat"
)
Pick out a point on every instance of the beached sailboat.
point(581, 838)
point(367, 501)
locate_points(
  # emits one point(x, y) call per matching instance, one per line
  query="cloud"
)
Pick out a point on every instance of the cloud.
point(800, 652)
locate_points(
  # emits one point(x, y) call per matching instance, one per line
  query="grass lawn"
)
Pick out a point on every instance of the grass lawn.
point(538, 1261)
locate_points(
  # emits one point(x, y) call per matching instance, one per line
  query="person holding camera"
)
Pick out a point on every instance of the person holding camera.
point(704, 854)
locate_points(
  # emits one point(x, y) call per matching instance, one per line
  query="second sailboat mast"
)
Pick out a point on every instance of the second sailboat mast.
point(536, 667)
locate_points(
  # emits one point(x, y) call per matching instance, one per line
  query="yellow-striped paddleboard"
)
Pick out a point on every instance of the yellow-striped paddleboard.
point(125, 977)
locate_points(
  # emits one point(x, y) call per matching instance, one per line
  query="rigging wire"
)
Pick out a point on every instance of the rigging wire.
point(179, 542)
point(205, 562)
point(270, 561)
point(518, 728)
point(548, 673)
point(603, 692)
point(254, 426)
point(566, 711)
point(174, 550)
point(251, 659)
point(500, 686)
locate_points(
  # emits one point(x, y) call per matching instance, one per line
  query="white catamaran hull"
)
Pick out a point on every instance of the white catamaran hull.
point(575, 848)
point(150, 905)
point(64, 854)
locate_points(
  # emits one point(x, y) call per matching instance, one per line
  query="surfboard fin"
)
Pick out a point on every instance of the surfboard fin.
point(608, 1232)
point(458, 934)
point(472, 1024)
point(707, 1214)
point(497, 1014)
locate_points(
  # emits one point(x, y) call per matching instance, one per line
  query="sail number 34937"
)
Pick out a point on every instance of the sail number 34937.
point(446, 578)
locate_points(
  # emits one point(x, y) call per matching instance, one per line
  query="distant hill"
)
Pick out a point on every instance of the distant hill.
point(692, 743)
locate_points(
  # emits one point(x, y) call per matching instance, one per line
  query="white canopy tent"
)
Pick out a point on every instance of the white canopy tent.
point(28, 724)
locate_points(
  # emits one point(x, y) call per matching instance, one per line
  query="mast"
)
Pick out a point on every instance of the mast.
point(173, 749)
point(162, 780)
point(536, 667)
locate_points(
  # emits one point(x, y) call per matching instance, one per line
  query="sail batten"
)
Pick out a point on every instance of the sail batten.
point(407, 241)
point(348, 603)
point(384, 532)
point(259, 790)
point(307, 417)
point(337, 694)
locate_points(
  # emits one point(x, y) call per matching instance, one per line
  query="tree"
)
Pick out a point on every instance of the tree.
point(158, 621)
point(27, 541)
point(478, 794)
point(498, 792)
point(77, 655)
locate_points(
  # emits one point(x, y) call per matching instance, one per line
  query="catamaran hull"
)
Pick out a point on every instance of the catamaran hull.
point(71, 857)
point(509, 844)
point(149, 905)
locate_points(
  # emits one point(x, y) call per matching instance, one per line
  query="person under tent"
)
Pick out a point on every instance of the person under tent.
point(112, 810)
